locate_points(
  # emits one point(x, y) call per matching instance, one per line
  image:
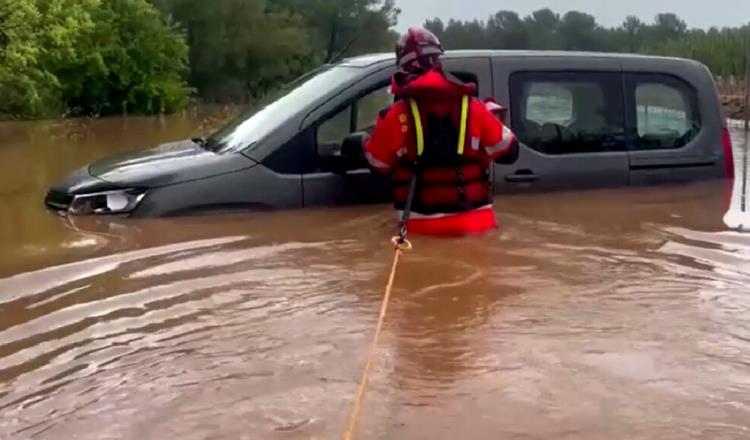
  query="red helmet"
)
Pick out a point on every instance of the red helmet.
point(418, 48)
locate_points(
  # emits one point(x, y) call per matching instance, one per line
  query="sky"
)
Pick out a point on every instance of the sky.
point(697, 13)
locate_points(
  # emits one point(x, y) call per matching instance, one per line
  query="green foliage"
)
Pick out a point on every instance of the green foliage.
point(508, 31)
point(97, 57)
point(242, 49)
point(339, 27)
point(723, 50)
point(25, 87)
point(129, 59)
point(88, 57)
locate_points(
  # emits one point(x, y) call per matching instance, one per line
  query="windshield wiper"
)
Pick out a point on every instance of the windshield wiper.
point(206, 144)
point(209, 144)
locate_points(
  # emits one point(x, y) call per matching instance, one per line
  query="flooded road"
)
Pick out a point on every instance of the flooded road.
point(618, 314)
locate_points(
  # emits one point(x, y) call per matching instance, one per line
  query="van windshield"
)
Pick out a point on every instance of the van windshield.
point(247, 129)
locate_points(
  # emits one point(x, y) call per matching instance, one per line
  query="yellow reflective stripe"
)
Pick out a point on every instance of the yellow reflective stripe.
point(464, 120)
point(417, 127)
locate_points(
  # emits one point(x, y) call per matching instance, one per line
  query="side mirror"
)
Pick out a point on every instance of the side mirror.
point(351, 156)
point(353, 146)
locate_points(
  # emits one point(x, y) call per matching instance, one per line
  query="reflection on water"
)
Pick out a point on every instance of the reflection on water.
point(591, 315)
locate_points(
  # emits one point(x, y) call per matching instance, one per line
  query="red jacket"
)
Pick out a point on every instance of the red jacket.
point(454, 195)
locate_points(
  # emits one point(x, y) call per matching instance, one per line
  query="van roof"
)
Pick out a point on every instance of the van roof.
point(371, 59)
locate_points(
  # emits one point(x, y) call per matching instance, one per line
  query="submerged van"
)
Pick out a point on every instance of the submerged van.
point(585, 120)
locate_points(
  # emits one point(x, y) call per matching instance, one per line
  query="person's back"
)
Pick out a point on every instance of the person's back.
point(439, 131)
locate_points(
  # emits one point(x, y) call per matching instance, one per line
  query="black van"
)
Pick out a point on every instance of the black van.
point(585, 120)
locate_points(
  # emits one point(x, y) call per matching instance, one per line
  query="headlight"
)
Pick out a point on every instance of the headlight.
point(110, 202)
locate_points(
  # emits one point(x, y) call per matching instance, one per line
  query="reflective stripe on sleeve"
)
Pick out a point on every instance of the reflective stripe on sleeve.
point(375, 162)
point(507, 140)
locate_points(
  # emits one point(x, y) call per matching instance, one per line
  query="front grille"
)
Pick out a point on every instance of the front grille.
point(57, 200)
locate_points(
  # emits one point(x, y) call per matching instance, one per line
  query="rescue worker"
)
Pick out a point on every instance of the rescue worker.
point(437, 129)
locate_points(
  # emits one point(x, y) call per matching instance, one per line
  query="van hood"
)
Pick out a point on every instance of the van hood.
point(166, 164)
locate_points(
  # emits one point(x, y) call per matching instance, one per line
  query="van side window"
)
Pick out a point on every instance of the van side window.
point(335, 129)
point(360, 115)
point(559, 113)
point(666, 112)
point(368, 108)
point(549, 103)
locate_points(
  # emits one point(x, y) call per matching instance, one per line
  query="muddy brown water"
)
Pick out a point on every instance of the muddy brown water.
point(617, 314)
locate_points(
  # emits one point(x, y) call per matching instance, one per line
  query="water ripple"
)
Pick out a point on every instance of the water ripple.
point(606, 314)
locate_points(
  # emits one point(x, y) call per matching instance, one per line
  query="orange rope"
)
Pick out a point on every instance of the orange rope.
point(401, 247)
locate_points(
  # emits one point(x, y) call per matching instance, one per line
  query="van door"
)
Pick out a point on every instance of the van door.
point(356, 110)
point(568, 115)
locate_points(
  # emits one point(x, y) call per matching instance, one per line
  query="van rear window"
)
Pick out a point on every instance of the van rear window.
point(560, 113)
point(666, 111)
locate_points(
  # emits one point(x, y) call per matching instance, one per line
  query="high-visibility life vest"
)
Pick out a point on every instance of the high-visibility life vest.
point(450, 178)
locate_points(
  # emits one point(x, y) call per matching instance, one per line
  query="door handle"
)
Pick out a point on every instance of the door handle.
point(522, 176)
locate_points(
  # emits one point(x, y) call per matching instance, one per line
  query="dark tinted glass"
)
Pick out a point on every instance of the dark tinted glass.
point(568, 112)
point(361, 115)
point(665, 110)
point(244, 131)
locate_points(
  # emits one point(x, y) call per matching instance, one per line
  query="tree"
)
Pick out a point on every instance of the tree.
point(26, 89)
point(543, 27)
point(506, 30)
point(340, 27)
point(578, 32)
point(722, 50)
point(374, 34)
point(88, 57)
point(668, 27)
point(436, 26)
point(97, 57)
point(464, 35)
point(128, 59)
point(238, 48)
point(634, 33)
